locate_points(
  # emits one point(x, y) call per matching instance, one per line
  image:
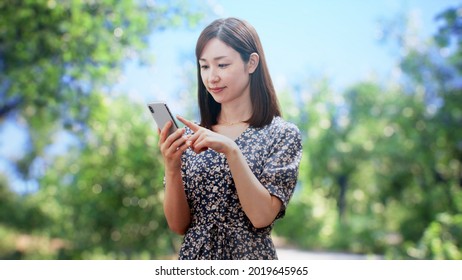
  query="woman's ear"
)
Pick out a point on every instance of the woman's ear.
point(254, 59)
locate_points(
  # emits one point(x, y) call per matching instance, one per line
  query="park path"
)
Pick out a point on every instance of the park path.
point(288, 251)
point(296, 254)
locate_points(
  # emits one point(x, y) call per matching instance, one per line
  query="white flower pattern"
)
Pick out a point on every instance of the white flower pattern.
point(219, 228)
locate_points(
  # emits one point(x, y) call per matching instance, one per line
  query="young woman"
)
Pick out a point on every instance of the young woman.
point(228, 179)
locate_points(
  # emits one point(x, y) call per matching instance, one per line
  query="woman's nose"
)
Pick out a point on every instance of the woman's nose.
point(214, 78)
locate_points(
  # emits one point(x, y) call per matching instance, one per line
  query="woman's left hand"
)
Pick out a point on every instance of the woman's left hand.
point(204, 139)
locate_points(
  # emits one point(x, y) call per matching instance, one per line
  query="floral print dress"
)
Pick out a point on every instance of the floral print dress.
point(219, 228)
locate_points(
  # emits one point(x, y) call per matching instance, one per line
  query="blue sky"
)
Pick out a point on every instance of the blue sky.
point(337, 39)
point(334, 38)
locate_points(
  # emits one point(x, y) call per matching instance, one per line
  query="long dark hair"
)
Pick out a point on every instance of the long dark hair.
point(242, 37)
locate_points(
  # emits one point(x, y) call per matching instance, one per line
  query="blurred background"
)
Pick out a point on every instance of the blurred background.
point(375, 88)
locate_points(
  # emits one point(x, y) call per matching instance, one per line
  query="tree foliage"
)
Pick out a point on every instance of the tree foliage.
point(381, 171)
point(383, 163)
point(58, 63)
point(109, 201)
point(55, 55)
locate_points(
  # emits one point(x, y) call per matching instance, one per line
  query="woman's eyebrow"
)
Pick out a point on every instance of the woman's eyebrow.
point(215, 58)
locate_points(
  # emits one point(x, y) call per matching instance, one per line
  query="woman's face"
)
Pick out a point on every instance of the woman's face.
point(224, 74)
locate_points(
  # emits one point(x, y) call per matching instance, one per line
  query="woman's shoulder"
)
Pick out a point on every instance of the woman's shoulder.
point(279, 125)
point(283, 136)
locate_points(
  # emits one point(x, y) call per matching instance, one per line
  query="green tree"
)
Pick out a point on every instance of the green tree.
point(386, 157)
point(59, 61)
point(435, 74)
point(106, 199)
point(54, 55)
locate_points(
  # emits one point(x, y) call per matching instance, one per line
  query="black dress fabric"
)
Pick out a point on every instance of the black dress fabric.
point(219, 228)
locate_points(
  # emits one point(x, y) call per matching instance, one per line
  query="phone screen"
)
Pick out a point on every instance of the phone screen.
point(161, 114)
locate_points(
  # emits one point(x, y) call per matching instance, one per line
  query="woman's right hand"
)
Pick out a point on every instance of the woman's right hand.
point(176, 206)
point(172, 146)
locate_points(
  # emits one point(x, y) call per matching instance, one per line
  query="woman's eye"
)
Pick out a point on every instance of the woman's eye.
point(222, 65)
point(204, 67)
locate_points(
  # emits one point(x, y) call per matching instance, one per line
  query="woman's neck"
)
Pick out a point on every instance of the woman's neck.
point(234, 113)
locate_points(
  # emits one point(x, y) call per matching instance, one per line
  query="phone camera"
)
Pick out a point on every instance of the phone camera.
point(150, 109)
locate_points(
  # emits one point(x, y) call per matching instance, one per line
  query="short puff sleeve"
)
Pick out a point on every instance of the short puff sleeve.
point(280, 172)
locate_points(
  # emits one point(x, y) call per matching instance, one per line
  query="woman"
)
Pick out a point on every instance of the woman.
point(228, 179)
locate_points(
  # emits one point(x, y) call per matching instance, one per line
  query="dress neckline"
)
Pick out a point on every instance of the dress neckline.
point(234, 139)
point(242, 134)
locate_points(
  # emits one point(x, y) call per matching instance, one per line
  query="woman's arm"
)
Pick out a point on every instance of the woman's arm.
point(258, 204)
point(176, 206)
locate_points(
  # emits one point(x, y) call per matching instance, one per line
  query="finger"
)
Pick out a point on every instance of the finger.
point(199, 145)
point(194, 127)
point(194, 137)
point(179, 143)
point(175, 136)
point(183, 147)
point(168, 146)
point(197, 141)
point(200, 134)
point(174, 147)
point(200, 148)
point(164, 131)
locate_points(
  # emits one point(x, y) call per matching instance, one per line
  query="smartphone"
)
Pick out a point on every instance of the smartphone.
point(161, 114)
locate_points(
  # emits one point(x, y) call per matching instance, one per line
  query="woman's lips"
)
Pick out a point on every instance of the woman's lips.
point(216, 89)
